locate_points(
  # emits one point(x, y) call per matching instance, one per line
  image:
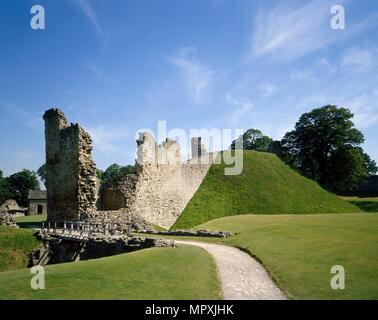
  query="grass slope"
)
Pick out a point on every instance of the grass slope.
point(265, 186)
point(299, 251)
point(158, 273)
point(15, 246)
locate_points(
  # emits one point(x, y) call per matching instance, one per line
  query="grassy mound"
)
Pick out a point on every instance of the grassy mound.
point(299, 251)
point(159, 273)
point(265, 186)
point(15, 246)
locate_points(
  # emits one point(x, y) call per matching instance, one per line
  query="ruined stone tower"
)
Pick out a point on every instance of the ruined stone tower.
point(70, 170)
point(198, 148)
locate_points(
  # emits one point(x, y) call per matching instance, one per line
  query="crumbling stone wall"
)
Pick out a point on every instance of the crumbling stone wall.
point(71, 172)
point(198, 148)
point(158, 191)
point(162, 185)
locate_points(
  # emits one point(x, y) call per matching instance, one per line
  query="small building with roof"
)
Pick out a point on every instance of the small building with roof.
point(37, 202)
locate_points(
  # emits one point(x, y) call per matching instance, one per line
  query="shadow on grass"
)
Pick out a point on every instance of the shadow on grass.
point(29, 224)
point(367, 206)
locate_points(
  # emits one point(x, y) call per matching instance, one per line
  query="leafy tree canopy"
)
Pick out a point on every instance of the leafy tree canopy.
point(325, 146)
point(4, 189)
point(41, 172)
point(114, 173)
point(20, 183)
point(99, 174)
point(253, 139)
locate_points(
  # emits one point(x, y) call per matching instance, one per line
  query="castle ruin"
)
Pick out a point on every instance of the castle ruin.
point(162, 185)
point(158, 191)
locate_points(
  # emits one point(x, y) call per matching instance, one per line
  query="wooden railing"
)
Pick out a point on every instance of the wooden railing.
point(79, 229)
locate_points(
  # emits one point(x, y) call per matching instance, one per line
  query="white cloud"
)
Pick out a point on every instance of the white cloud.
point(31, 119)
point(108, 140)
point(241, 106)
point(324, 62)
point(197, 76)
point(266, 89)
point(365, 109)
point(302, 75)
point(293, 32)
point(94, 69)
point(359, 59)
point(90, 14)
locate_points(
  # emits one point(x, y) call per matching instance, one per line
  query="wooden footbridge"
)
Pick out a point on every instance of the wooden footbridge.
point(81, 230)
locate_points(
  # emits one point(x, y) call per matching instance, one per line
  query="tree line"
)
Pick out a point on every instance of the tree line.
point(324, 146)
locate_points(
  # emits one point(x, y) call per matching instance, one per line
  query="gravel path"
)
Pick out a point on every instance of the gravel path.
point(242, 277)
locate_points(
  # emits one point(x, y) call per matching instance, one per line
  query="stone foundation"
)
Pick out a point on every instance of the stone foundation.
point(56, 249)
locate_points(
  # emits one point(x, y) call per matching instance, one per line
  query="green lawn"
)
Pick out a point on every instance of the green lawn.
point(265, 186)
point(33, 221)
point(299, 251)
point(365, 204)
point(15, 245)
point(158, 273)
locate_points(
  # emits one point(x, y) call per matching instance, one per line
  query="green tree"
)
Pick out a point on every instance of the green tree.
point(41, 172)
point(21, 183)
point(325, 146)
point(125, 170)
point(99, 174)
point(253, 139)
point(114, 173)
point(5, 193)
point(111, 174)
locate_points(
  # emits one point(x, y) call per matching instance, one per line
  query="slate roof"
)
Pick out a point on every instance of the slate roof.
point(37, 195)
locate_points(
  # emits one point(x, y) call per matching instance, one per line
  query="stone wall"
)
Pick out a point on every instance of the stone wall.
point(34, 205)
point(71, 172)
point(158, 191)
point(162, 186)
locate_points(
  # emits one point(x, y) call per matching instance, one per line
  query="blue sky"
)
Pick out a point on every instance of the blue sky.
point(117, 66)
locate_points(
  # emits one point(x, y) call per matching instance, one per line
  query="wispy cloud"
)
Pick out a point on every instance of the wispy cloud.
point(197, 76)
point(293, 32)
point(365, 109)
point(109, 140)
point(91, 14)
point(241, 106)
point(266, 89)
point(94, 69)
point(359, 59)
point(32, 120)
point(324, 62)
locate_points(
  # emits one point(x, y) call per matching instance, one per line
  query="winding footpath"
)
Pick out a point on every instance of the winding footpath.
point(242, 277)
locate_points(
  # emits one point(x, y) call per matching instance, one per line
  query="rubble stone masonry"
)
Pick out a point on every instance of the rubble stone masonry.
point(162, 186)
point(71, 172)
point(158, 191)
